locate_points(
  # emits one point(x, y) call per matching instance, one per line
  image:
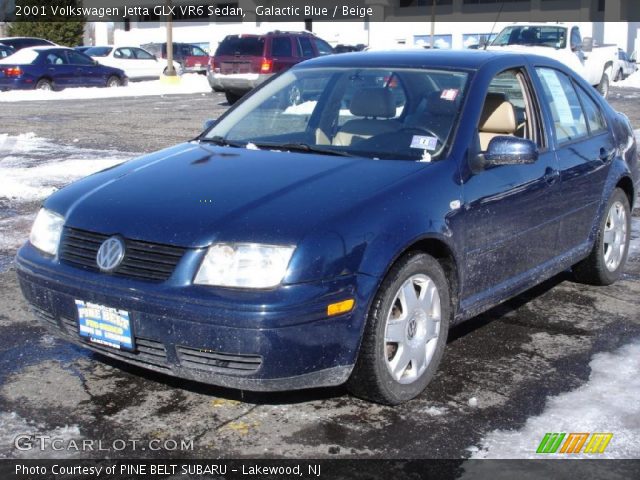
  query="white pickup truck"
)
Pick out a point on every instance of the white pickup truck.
point(563, 42)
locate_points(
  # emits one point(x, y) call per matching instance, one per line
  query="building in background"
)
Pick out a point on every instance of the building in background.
point(397, 27)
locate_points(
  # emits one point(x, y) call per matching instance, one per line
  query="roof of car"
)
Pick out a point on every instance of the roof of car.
point(460, 59)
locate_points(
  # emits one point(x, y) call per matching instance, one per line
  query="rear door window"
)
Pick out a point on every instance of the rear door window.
point(281, 47)
point(568, 117)
point(595, 119)
point(54, 58)
point(125, 53)
point(306, 49)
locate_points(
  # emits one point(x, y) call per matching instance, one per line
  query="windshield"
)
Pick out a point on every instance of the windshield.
point(542, 36)
point(98, 51)
point(367, 112)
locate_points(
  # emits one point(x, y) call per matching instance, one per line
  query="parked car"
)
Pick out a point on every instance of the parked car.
point(192, 59)
point(341, 48)
point(5, 51)
point(339, 245)
point(562, 42)
point(136, 62)
point(83, 48)
point(243, 62)
point(18, 43)
point(624, 66)
point(55, 68)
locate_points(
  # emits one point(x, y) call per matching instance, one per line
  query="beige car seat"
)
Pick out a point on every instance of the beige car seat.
point(377, 107)
point(498, 118)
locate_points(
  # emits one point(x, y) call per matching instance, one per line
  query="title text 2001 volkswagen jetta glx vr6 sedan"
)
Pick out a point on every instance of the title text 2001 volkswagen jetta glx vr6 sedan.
point(332, 226)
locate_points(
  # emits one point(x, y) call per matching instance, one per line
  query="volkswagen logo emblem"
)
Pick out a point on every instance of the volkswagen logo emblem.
point(110, 254)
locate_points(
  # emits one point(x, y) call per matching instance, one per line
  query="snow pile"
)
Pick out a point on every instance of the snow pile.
point(632, 81)
point(32, 168)
point(189, 83)
point(608, 402)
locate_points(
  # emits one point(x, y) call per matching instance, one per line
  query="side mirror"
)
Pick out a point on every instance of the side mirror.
point(209, 123)
point(505, 150)
point(587, 44)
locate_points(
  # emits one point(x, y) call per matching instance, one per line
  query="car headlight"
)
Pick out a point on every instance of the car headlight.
point(248, 265)
point(46, 231)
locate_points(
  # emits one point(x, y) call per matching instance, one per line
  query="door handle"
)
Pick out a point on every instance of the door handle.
point(551, 175)
point(606, 155)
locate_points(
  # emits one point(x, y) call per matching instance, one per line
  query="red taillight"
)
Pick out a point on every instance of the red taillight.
point(266, 65)
point(12, 71)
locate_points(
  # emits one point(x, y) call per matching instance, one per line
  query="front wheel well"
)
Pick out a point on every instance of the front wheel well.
point(626, 185)
point(443, 254)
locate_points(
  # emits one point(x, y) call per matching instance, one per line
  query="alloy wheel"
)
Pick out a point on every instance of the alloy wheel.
point(412, 329)
point(615, 236)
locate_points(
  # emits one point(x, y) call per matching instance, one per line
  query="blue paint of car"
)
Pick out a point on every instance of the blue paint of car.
point(493, 219)
point(55, 68)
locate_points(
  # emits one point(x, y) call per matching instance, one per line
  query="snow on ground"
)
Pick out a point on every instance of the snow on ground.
point(32, 168)
point(632, 81)
point(608, 402)
point(11, 425)
point(189, 83)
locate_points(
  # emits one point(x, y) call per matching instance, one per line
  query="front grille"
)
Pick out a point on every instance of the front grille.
point(202, 359)
point(142, 260)
point(148, 352)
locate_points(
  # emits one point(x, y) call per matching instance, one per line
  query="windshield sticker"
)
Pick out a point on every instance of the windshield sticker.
point(424, 143)
point(449, 94)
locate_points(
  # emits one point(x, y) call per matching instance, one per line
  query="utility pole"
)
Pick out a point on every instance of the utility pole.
point(433, 23)
point(171, 72)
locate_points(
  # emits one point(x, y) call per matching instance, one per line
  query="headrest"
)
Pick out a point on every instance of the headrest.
point(436, 105)
point(498, 115)
point(373, 102)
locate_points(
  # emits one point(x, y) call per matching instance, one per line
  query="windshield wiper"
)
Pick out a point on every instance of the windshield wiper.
point(304, 147)
point(221, 141)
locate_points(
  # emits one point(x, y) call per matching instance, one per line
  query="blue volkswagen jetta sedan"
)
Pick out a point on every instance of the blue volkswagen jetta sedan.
point(55, 68)
point(335, 235)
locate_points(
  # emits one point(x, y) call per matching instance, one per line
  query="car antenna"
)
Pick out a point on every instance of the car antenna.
point(486, 44)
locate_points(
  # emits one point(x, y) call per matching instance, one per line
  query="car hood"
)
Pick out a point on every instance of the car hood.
point(193, 194)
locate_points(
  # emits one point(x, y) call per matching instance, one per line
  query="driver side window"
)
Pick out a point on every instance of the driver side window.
point(508, 110)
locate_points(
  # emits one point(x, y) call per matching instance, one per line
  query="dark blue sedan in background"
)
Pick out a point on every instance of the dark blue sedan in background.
point(55, 68)
point(337, 237)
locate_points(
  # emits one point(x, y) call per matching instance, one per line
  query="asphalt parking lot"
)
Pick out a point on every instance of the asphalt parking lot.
point(498, 370)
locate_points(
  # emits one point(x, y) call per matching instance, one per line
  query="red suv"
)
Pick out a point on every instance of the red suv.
point(243, 62)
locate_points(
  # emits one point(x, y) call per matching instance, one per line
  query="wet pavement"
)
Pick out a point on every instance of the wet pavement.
point(497, 371)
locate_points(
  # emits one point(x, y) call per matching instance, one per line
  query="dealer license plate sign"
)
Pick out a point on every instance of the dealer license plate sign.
point(104, 325)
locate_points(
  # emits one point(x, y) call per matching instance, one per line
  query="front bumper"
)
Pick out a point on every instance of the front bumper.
point(262, 341)
point(237, 83)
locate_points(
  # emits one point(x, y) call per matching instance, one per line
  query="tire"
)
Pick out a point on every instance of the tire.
point(619, 76)
point(44, 84)
point(606, 261)
point(603, 86)
point(113, 82)
point(232, 97)
point(379, 374)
